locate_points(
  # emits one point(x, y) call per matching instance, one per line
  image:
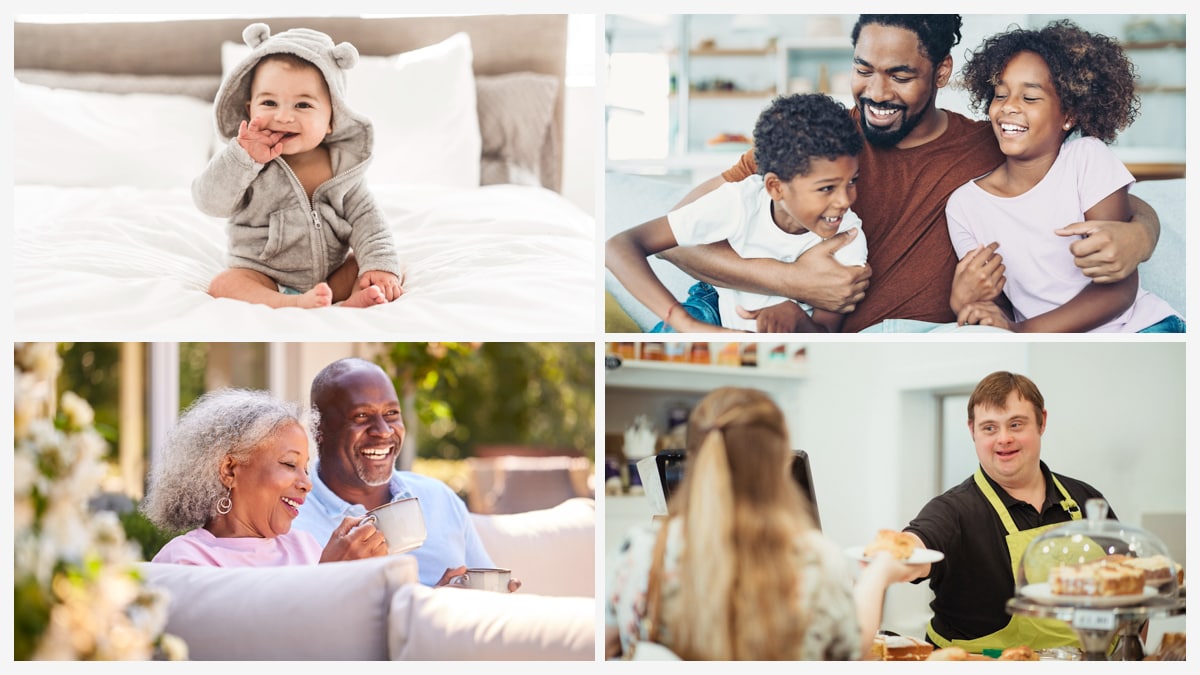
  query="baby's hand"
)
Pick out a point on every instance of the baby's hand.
point(262, 144)
point(386, 281)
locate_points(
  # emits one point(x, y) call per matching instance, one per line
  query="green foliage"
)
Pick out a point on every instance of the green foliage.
point(92, 370)
point(148, 536)
point(539, 394)
point(33, 602)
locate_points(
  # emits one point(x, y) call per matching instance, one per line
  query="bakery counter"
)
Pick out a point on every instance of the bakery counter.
point(1098, 626)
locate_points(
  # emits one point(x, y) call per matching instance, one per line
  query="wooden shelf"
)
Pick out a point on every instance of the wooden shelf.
point(695, 93)
point(717, 51)
point(1157, 44)
point(1161, 89)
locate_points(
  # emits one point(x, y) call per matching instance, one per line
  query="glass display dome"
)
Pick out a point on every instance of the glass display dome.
point(1097, 562)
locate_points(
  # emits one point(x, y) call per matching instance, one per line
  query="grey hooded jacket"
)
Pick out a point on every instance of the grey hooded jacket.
point(273, 226)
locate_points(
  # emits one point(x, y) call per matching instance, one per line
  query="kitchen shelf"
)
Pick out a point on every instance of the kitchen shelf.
point(717, 51)
point(693, 377)
point(700, 93)
point(1157, 44)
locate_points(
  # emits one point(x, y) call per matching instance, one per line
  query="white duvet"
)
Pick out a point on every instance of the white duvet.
point(126, 263)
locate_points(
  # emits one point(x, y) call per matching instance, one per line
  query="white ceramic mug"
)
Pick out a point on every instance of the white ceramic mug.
point(484, 579)
point(401, 522)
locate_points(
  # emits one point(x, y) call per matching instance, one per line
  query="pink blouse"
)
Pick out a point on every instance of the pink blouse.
point(200, 547)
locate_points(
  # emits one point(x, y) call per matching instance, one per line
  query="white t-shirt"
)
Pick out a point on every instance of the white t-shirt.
point(741, 214)
point(1038, 264)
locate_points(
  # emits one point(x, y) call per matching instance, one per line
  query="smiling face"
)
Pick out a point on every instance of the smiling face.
point(895, 86)
point(1026, 112)
point(293, 99)
point(361, 432)
point(815, 201)
point(1008, 440)
point(268, 489)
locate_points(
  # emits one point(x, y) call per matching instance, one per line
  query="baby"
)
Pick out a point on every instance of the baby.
point(304, 230)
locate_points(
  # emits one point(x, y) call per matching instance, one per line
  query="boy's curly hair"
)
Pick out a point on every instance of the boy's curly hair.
point(794, 129)
point(1091, 73)
point(937, 33)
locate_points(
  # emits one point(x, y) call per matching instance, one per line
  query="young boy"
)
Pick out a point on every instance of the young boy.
point(304, 230)
point(806, 148)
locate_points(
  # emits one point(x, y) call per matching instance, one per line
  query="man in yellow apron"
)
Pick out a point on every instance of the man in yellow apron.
point(984, 524)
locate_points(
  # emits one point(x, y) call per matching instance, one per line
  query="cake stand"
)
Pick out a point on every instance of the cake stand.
point(1097, 626)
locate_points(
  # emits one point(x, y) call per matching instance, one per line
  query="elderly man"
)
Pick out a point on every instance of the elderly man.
point(916, 155)
point(984, 524)
point(358, 441)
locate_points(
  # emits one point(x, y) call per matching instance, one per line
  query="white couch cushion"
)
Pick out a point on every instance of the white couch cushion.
point(552, 551)
point(453, 624)
point(331, 611)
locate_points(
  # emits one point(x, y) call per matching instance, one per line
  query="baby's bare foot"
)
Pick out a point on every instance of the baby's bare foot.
point(366, 297)
point(318, 296)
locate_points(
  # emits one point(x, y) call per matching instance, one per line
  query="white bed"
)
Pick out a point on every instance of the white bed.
point(468, 111)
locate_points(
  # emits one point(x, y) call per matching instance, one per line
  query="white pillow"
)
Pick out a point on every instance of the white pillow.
point(552, 551)
point(423, 107)
point(454, 624)
point(331, 611)
point(75, 138)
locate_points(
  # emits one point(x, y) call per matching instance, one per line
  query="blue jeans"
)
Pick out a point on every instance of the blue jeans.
point(917, 326)
point(701, 303)
point(1171, 324)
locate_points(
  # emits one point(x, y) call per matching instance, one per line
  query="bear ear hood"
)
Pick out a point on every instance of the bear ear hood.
point(333, 60)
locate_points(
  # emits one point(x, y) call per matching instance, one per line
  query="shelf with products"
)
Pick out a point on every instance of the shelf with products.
point(816, 65)
point(702, 366)
point(694, 377)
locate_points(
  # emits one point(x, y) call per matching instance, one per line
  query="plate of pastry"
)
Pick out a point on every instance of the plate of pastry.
point(1043, 593)
point(900, 546)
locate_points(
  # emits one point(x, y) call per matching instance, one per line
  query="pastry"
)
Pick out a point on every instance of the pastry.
point(1097, 578)
point(948, 654)
point(1157, 568)
point(1021, 653)
point(898, 544)
point(900, 648)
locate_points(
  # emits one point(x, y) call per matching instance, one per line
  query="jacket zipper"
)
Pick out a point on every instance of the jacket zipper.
point(312, 202)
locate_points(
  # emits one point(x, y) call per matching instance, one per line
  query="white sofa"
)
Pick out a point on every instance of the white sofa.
point(375, 609)
point(631, 200)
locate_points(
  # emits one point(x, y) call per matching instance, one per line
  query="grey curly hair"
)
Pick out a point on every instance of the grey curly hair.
point(185, 482)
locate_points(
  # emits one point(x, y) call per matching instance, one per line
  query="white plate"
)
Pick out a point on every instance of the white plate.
point(920, 556)
point(1041, 593)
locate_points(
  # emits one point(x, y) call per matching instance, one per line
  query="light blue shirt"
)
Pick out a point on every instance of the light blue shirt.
point(451, 539)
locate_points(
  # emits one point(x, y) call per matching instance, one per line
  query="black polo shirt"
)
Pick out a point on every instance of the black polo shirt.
point(973, 583)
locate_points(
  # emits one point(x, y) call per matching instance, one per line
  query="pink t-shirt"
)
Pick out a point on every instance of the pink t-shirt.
point(1039, 267)
point(200, 547)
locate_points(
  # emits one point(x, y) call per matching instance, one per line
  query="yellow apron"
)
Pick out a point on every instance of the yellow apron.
point(1021, 630)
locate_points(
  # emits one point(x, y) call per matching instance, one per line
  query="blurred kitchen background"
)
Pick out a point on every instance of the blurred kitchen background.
point(885, 428)
point(683, 90)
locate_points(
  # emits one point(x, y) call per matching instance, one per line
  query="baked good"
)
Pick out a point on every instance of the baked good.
point(1173, 647)
point(1097, 578)
point(900, 648)
point(898, 544)
point(948, 654)
point(1157, 567)
point(1021, 653)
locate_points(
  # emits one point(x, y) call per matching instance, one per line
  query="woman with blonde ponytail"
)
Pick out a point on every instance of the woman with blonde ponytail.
point(738, 571)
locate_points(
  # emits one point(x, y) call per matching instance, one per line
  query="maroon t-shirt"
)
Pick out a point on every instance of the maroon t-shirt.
point(902, 197)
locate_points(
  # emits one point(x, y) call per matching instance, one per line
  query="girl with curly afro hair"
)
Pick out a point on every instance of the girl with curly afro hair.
point(806, 147)
point(1039, 89)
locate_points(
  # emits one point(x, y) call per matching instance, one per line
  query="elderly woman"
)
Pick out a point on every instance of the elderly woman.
point(234, 473)
point(738, 571)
